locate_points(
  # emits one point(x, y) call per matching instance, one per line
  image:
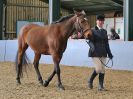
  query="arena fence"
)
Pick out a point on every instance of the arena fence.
point(75, 55)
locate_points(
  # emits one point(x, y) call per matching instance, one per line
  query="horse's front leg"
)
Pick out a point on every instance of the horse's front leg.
point(56, 59)
point(60, 86)
point(36, 64)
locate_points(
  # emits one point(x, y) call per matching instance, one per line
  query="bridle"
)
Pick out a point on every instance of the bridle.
point(82, 31)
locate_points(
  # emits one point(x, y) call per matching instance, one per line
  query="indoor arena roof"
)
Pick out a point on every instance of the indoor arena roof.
point(93, 6)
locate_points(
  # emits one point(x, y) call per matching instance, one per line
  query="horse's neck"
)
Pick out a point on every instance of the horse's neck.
point(69, 26)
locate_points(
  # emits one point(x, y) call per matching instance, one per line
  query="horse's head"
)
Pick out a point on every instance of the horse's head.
point(81, 24)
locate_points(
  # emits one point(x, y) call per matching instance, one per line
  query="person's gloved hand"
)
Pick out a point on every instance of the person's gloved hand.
point(92, 47)
point(110, 56)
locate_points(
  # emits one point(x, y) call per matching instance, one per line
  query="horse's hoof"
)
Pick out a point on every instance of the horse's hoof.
point(41, 82)
point(61, 87)
point(18, 82)
point(45, 83)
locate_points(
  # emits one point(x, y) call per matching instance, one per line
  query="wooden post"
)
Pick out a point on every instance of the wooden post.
point(54, 10)
point(1, 19)
point(128, 20)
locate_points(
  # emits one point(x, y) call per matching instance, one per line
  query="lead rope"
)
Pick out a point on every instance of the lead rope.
point(87, 41)
point(107, 63)
point(101, 60)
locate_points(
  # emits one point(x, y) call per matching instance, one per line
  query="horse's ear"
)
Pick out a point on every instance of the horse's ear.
point(76, 12)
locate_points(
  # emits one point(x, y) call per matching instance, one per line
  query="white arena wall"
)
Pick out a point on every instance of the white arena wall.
point(76, 53)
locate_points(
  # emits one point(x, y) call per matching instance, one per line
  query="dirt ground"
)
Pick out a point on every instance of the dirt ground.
point(119, 84)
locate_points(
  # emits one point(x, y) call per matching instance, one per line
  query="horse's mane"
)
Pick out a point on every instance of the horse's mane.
point(63, 18)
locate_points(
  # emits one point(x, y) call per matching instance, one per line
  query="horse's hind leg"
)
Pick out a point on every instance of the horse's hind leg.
point(36, 64)
point(21, 52)
point(19, 66)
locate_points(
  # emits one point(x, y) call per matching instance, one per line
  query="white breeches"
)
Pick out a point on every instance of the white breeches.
point(99, 66)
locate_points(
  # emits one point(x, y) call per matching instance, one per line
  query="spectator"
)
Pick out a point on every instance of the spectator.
point(114, 35)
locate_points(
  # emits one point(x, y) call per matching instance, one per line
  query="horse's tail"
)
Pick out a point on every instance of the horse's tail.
point(23, 66)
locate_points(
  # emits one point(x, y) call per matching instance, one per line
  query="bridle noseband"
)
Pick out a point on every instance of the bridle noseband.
point(82, 31)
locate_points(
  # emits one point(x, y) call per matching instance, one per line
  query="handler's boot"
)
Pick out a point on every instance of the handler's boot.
point(101, 81)
point(90, 81)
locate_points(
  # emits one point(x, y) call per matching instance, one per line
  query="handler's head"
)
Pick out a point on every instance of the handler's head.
point(100, 20)
point(100, 17)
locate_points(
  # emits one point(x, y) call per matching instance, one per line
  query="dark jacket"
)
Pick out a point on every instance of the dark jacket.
point(99, 46)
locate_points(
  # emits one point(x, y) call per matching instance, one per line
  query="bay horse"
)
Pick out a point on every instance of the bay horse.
point(49, 40)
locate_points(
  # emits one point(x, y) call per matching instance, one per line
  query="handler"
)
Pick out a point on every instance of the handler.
point(99, 49)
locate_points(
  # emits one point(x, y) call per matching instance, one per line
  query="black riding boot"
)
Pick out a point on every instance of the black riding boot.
point(101, 81)
point(90, 81)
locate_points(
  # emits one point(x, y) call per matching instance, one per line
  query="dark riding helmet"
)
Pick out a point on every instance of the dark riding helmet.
point(100, 17)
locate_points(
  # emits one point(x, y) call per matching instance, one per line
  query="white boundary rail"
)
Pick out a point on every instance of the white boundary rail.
point(76, 53)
